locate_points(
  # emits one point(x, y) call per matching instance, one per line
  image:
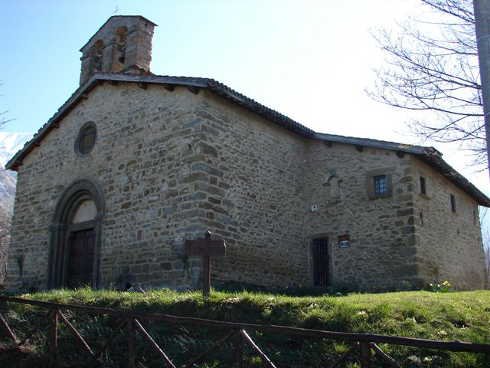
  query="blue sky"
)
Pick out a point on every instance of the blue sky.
point(282, 53)
point(310, 60)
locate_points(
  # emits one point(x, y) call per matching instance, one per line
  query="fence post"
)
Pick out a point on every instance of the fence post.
point(239, 350)
point(10, 333)
point(53, 338)
point(131, 343)
point(365, 354)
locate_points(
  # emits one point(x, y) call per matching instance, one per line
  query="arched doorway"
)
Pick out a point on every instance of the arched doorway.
point(76, 236)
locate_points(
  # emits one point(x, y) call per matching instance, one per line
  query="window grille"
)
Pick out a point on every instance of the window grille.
point(380, 185)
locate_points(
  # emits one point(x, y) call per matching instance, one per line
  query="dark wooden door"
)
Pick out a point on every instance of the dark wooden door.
point(80, 264)
point(320, 262)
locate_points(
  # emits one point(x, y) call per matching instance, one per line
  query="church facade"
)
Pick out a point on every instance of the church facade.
point(133, 164)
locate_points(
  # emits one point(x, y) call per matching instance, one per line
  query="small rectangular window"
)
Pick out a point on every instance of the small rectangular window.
point(423, 187)
point(453, 202)
point(380, 185)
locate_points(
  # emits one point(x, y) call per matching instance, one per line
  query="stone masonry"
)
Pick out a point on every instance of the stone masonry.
point(449, 244)
point(173, 164)
point(173, 159)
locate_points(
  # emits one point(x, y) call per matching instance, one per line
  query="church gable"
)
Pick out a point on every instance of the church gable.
point(148, 164)
point(121, 119)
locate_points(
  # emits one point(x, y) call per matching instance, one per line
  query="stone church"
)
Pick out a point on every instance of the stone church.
point(133, 164)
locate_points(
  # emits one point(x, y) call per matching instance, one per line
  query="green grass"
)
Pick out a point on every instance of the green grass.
point(449, 316)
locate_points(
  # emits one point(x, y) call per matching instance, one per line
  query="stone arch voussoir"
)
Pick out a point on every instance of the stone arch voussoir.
point(77, 192)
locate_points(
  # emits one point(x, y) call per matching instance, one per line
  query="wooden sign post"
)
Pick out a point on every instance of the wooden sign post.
point(205, 248)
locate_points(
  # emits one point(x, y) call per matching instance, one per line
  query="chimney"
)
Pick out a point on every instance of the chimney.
point(121, 45)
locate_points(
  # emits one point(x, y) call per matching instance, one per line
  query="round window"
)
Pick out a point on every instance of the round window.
point(86, 138)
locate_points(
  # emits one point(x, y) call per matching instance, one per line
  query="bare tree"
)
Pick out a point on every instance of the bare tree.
point(432, 68)
point(3, 116)
point(5, 220)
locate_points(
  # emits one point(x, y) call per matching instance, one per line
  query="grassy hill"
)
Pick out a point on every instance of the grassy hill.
point(448, 316)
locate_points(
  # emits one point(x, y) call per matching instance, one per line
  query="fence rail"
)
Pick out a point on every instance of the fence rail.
point(132, 323)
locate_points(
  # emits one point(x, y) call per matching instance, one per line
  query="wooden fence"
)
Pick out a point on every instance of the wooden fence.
point(367, 345)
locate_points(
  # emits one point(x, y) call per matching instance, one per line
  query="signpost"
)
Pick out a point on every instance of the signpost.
point(205, 248)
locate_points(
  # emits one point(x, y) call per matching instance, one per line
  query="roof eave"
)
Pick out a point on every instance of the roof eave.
point(51, 124)
point(428, 154)
point(456, 178)
point(204, 83)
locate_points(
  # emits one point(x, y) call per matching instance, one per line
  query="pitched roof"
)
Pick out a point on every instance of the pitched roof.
point(427, 154)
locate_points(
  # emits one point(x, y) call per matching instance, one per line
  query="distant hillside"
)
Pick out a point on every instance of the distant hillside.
point(10, 143)
point(7, 190)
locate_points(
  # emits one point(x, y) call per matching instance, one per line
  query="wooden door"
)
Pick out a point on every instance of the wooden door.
point(320, 262)
point(80, 264)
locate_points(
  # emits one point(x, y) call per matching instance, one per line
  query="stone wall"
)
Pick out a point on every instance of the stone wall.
point(143, 162)
point(280, 191)
point(256, 195)
point(449, 244)
point(172, 164)
point(382, 248)
point(272, 178)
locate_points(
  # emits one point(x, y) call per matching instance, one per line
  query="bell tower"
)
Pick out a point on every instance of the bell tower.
point(121, 45)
